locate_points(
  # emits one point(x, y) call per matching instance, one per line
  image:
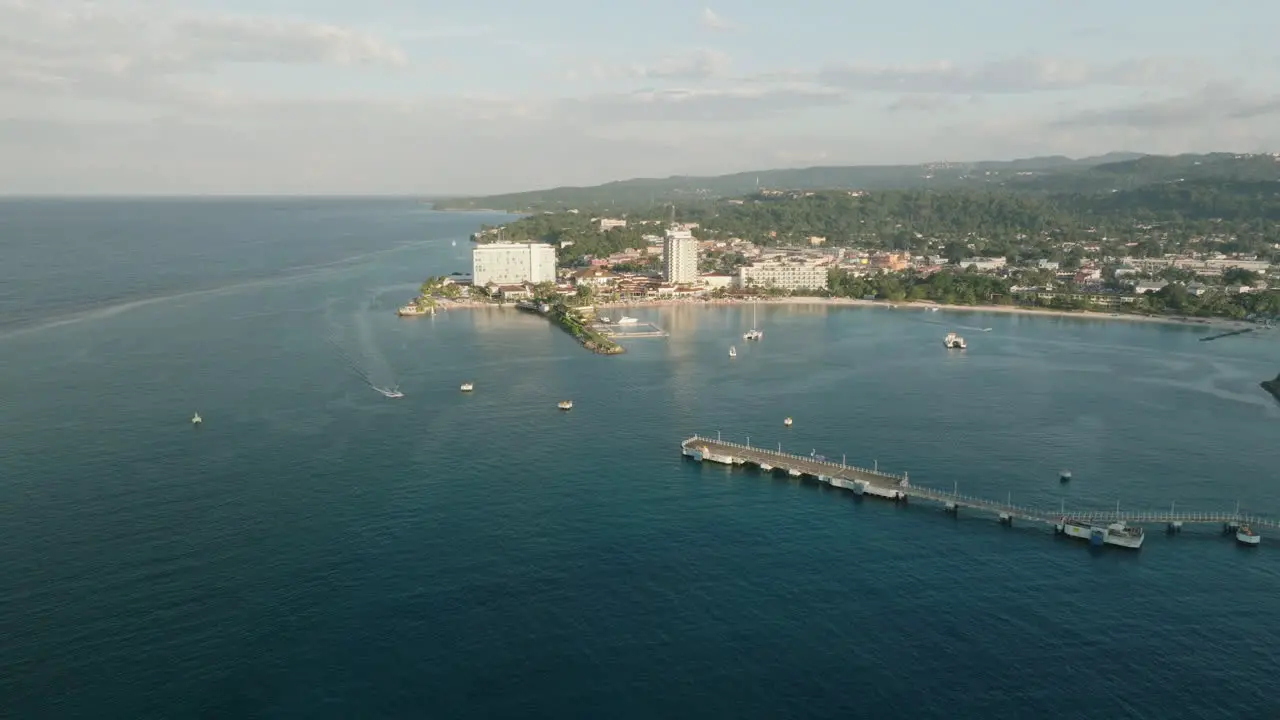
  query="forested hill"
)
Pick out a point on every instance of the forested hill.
point(1047, 175)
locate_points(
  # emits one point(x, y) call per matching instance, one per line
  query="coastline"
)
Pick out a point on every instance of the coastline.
point(914, 305)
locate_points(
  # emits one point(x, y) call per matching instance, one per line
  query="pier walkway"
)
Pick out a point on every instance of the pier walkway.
point(899, 488)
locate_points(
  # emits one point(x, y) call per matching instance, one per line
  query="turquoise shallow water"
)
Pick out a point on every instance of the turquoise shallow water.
point(316, 550)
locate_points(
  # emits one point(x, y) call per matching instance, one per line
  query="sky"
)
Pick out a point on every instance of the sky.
point(423, 97)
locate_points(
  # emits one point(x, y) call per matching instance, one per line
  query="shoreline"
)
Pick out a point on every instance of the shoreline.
point(911, 305)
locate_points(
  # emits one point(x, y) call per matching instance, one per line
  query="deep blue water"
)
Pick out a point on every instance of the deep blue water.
point(316, 550)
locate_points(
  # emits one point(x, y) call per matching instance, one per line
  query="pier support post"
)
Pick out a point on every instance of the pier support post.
point(1175, 527)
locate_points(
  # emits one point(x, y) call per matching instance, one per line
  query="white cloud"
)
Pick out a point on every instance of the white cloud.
point(1009, 76)
point(693, 65)
point(712, 21)
point(138, 51)
point(1210, 105)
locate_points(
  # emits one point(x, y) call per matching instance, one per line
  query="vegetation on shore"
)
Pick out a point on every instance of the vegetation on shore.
point(591, 339)
point(1224, 216)
point(965, 287)
point(1046, 175)
point(569, 314)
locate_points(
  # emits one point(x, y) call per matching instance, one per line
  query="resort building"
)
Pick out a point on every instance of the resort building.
point(680, 256)
point(513, 263)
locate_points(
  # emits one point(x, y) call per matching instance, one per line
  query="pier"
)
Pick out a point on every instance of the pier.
point(899, 488)
point(618, 331)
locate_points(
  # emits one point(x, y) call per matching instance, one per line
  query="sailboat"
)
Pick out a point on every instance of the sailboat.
point(754, 333)
point(733, 351)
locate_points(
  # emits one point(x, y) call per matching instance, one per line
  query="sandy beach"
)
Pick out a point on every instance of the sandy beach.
point(910, 306)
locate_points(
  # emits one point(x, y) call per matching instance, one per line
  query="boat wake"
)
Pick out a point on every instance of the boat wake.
point(362, 358)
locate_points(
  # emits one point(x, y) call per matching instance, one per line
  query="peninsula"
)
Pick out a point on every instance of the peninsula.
point(1272, 386)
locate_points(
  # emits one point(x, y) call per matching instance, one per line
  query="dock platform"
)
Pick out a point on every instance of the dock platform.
point(899, 488)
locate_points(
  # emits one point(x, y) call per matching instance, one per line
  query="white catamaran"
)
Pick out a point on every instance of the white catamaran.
point(755, 333)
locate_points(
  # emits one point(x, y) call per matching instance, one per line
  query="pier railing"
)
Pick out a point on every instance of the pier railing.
point(895, 477)
point(807, 463)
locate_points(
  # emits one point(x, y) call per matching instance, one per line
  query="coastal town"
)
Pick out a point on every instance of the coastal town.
point(672, 263)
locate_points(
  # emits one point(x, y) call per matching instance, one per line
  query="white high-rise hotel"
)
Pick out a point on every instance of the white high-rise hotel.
point(513, 263)
point(680, 257)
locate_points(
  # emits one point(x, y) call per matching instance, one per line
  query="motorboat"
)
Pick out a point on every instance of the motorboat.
point(391, 393)
point(733, 351)
point(467, 387)
point(565, 404)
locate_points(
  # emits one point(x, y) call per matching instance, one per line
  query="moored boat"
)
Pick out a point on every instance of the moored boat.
point(1246, 536)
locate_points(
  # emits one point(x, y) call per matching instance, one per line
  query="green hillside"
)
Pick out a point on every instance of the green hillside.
point(645, 192)
point(1047, 175)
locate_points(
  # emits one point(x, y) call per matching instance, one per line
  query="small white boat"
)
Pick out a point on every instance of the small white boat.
point(624, 320)
point(733, 351)
point(454, 243)
point(604, 320)
point(467, 387)
point(953, 340)
point(391, 393)
point(1246, 536)
point(787, 422)
point(196, 419)
point(565, 404)
point(1064, 476)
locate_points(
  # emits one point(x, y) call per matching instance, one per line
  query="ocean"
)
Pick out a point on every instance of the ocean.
point(317, 550)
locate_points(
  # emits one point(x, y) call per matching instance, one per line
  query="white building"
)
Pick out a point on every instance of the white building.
point(611, 223)
point(784, 276)
point(680, 257)
point(984, 263)
point(513, 263)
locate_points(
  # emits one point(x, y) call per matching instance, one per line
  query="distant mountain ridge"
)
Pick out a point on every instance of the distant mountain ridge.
point(1051, 175)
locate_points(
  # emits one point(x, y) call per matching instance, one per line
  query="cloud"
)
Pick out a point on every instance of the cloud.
point(712, 21)
point(140, 52)
point(1211, 104)
point(693, 65)
point(710, 106)
point(1010, 76)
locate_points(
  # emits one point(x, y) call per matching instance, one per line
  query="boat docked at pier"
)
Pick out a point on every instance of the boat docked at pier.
point(1246, 536)
point(624, 320)
point(953, 340)
point(1116, 533)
